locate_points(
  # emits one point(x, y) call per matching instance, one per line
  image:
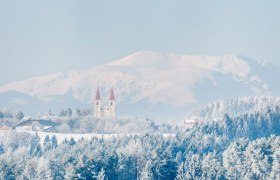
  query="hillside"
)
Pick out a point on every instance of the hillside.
point(235, 147)
point(161, 86)
point(233, 107)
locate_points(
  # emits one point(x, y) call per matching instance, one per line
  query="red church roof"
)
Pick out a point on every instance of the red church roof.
point(112, 97)
point(97, 97)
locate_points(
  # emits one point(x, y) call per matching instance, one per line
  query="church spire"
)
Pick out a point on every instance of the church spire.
point(112, 97)
point(97, 97)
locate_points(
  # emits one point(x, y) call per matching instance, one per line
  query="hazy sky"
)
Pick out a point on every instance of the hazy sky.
point(42, 37)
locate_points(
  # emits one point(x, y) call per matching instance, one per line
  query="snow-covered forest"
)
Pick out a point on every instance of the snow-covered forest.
point(236, 146)
point(89, 124)
point(236, 106)
point(82, 121)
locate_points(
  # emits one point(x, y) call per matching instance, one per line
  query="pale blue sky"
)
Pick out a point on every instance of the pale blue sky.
point(42, 37)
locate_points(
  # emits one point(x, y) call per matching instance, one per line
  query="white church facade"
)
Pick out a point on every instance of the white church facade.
point(105, 111)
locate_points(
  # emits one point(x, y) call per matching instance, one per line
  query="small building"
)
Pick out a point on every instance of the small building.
point(188, 123)
point(36, 125)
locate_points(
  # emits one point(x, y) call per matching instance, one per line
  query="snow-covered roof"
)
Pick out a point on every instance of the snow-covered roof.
point(190, 121)
point(41, 122)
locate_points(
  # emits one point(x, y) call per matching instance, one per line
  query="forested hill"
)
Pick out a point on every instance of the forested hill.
point(217, 134)
point(234, 107)
point(235, 147)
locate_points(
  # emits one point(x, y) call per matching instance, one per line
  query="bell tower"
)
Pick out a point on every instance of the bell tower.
point(112, 106)
point(97, 112)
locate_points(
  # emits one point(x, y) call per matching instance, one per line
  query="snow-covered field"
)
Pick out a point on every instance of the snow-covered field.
point(61, 136)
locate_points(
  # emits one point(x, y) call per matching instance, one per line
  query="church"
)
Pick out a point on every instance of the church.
point(107, 111)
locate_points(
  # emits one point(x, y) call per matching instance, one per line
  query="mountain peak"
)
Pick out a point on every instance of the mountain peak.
point(140, 57)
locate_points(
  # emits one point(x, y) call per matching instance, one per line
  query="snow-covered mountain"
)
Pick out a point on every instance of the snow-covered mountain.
point(161, 86)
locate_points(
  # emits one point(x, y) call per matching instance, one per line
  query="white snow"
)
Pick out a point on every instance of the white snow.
point(62, 136)
point(143, 74)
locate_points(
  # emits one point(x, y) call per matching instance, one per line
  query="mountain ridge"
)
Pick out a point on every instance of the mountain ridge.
point(156, 82)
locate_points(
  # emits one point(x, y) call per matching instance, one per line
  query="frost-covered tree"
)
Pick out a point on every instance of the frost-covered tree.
point(275, 171)
point(43, 169)
point(258, 156)
point(194, 170)
point(35, 148)
point(181, 172)
point(1, 148)
point(101, 175)
point(19, 115)
point(30, 170)
point(62, 113)
point(70, 172)
point(234, 159)
point(69, 112)
point(179, 157)
point(64, 128)
point(211, 167)
point(71, 141)
point(47, 143)
point(146, 173)
point(53, 142)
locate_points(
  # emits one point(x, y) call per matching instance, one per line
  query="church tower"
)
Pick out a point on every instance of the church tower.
point(112, 105)
point(97, 113)
point(104, 111)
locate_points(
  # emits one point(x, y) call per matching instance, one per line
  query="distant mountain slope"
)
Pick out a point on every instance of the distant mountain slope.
point(162, 86)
